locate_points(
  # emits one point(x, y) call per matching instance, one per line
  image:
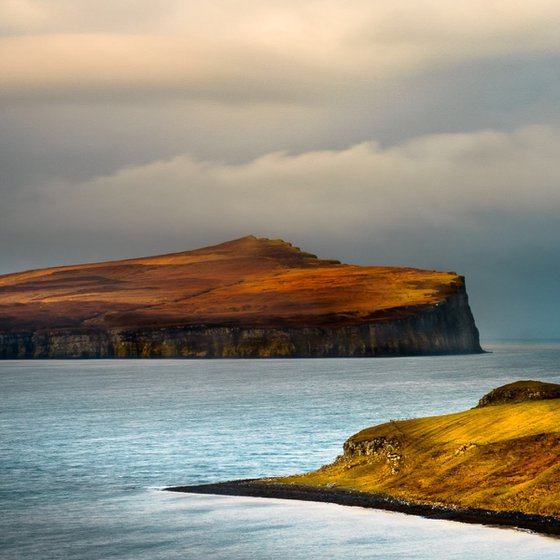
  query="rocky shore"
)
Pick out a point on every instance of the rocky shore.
point(262, 488)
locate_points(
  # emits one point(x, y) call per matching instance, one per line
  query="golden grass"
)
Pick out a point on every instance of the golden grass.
point(249, 281)
point(504, 457)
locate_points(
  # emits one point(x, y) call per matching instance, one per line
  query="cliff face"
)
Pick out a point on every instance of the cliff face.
point(445, 329)
point(247, 298)
point(503, 455)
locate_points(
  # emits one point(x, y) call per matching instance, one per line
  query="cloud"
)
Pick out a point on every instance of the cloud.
point(245, 51)
point(63, 68)
point(434, 180)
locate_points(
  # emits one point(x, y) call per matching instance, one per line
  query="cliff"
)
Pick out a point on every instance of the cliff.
point(251, 297)
point(501, 456)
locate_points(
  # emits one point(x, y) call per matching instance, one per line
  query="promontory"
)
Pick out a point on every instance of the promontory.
point(247, 298)
point(497, 463)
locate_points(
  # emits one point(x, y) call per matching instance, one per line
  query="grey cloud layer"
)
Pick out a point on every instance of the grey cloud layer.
point(308, 52)
point(433, 180)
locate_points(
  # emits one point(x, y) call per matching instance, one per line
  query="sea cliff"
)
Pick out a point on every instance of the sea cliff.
point(250, 298)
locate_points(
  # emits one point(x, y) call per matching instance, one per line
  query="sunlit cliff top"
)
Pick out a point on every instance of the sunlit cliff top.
point(248, 281)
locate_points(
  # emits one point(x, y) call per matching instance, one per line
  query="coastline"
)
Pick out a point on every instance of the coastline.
point(262, 488)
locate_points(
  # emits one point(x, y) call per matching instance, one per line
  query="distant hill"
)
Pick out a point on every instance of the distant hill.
point(251, 297)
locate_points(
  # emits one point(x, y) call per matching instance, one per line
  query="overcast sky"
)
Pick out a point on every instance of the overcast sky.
point(421, 133)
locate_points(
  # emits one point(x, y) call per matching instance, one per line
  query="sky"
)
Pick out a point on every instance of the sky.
point(377, 132)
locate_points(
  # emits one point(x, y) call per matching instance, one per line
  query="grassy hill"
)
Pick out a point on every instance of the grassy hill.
point(247, 298)
point(503, 455)
point(248, 281)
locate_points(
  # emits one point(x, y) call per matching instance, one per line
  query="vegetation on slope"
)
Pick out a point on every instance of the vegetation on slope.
point(503, 455)
point(246, 282)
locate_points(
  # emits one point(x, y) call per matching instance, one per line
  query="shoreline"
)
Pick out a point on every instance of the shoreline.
point(261, 488)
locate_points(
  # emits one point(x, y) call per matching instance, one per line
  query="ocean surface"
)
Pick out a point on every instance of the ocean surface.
point(87, 446)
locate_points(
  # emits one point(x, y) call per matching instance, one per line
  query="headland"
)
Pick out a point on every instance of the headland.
point(496, 464)
point(247, 298)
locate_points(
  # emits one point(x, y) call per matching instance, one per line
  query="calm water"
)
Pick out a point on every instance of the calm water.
point(85, 447)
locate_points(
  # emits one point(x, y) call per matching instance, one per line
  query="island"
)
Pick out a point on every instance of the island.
point(496, 464)
point(247, 298)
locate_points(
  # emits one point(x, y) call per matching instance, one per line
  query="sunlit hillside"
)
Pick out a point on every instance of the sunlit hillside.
point(502, 455)
point(249, 282)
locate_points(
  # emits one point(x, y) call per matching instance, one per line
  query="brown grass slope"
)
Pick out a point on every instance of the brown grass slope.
point(503, 455)
point(246, 282)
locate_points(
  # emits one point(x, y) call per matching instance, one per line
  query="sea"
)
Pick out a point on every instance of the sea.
point(87, 447)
